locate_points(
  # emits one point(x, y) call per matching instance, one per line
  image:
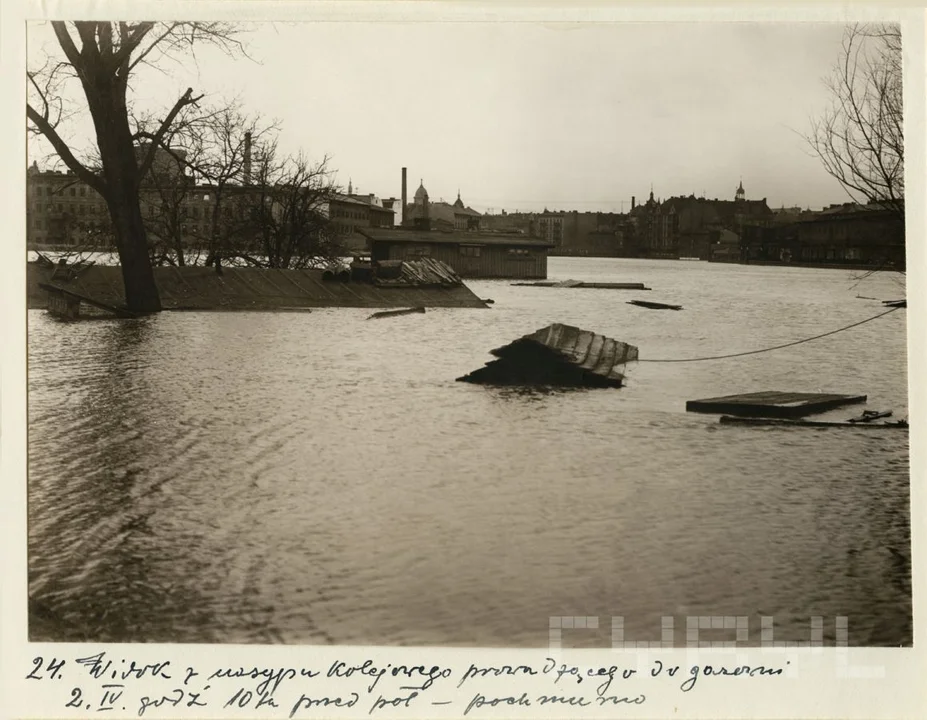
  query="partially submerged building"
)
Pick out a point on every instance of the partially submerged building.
point(470, 254)
point(413, 283)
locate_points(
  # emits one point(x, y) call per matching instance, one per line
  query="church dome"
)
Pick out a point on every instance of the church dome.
point(421, 193)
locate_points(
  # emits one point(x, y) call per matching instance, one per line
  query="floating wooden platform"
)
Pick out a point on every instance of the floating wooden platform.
point(201, 288)
point(773, 404)
point(581, 284)
point(558, 355)
point(654, 305)
point(730, 420)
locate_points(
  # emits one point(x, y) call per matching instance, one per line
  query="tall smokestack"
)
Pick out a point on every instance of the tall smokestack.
point(633, 202)
point(247, 164)
point(405, 199)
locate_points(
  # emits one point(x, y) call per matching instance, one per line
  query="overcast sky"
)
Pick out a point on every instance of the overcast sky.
point(526, 116)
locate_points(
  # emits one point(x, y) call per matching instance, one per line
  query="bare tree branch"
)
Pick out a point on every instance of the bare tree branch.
point(860, 138)
point(186, 99)
point(64, 152)
point(104, 63)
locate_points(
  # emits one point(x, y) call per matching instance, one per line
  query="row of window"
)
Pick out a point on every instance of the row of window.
point(353, 214)
point(94, 209)
point(73, 191)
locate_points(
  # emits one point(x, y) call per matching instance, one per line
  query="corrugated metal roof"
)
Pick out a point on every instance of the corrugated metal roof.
point(557, 355)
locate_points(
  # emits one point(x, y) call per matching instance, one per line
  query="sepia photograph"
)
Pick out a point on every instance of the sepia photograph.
point(467, 334)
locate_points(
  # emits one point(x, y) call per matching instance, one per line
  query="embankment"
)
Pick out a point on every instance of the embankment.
point(200, 288)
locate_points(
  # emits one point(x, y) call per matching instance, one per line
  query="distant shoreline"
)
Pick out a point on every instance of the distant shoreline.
point(773, 263)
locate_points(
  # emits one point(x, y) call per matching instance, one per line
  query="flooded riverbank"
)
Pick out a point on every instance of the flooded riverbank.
point(317, 478)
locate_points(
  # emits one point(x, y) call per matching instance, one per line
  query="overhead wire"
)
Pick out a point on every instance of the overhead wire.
point(769, 349)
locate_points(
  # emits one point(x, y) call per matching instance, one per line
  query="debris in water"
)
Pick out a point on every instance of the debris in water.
point(654, 305)
point(780, 422)
point(582, 284)
point(870, 415)
point(558, 355)
point(773, 404)
point(394, 313)
point(66, 304)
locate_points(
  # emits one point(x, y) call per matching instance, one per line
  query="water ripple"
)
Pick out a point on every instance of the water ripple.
point(314, 478)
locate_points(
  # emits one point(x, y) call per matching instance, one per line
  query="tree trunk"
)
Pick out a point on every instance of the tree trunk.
point(106, 97)
point(137, 275)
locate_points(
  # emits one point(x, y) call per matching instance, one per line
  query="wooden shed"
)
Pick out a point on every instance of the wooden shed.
point(470, 254)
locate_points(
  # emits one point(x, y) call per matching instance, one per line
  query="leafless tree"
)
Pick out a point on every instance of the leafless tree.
point(285, 216)
point(230, 141)
point(103, 57)
point(860, 138)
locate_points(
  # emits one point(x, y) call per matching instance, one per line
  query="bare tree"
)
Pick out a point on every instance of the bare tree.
point(860, 138)
point(166, 221)
point(285, 215)
point(108, 55)
point(230, 140)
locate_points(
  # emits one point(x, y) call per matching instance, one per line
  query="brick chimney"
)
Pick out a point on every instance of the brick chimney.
point(633, 202)
point(405, 199)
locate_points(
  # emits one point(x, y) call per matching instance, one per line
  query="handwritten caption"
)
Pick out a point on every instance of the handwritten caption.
point(107, 683)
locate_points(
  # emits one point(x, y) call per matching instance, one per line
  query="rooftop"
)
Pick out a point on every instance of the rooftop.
point(451, 238)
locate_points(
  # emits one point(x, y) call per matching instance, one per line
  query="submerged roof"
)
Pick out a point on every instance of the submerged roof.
point(238, 288)
point(557, 355)
point(450, 238)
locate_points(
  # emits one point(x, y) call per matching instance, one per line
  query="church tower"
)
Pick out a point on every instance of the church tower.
point(740, 194)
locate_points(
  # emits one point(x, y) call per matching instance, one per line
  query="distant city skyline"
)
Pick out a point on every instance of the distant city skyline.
point(523, 117)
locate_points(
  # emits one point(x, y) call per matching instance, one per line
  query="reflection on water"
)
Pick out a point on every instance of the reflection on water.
point(313, 478)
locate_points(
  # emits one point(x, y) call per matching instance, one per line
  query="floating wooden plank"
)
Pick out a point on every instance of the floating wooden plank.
point(613, 286)
point(654, 305)
point(895, 303)
point(870, 415)
point(557, 355)
point(773, 404)
point(582, 284)
point(780, 422)
point(394, 313)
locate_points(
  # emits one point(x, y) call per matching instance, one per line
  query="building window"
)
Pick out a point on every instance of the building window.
point(83, 192)
point(73, 192)
point(518, 252)
point(469, 251)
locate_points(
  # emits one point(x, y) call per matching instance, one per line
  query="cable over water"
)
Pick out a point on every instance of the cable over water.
point(769, 349)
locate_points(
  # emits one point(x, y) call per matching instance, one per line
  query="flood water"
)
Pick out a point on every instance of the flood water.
point(318, 478)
